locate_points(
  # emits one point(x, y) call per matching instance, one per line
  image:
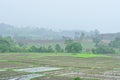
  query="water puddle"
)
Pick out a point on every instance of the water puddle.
point(26, 77)
point(30, 76)
point(2, 70)
point(38, 69)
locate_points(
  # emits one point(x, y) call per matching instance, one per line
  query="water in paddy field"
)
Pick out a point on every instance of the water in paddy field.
point(30, 76)
point(26, 77)
point(38, 69)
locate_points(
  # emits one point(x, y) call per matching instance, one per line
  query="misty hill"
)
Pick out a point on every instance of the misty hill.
point(26, 32)
point(35, 33)
point(6, 29)
point(110, 36)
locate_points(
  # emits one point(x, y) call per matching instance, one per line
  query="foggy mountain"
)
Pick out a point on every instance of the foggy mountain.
point(35, 33)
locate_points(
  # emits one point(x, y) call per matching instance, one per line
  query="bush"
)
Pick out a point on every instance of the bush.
point(74, 47)
point(103, 49)
point(77, 78)
point(58, 48)
point(50, 49)
point(6, 43)
point(115, 43)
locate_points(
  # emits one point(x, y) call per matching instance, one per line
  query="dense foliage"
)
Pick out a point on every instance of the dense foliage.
point(58, 48)
point(6, 44)
point(77, 78)
point(73, 47)
point(115, 43)
point(103, 49)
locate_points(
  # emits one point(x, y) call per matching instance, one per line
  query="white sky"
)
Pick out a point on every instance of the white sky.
point(103, 15)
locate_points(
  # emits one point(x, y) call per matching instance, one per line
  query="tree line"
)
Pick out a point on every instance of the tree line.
point(7, 44)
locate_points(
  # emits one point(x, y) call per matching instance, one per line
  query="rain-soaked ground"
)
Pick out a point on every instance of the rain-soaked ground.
point(30, 76)
point(37, 69)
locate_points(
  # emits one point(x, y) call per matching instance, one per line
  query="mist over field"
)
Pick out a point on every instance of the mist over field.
point(58, 15)
point(59, 40)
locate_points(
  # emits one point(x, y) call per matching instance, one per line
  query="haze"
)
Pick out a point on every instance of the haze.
point(103, 15)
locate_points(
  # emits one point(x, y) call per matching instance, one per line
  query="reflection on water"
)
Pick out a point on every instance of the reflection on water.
point(30, 76)
point(37, 69)
point(26, 77)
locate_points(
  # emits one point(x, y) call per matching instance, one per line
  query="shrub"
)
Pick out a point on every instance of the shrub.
point(74, 47)
point(103, 49)
point(77, 78)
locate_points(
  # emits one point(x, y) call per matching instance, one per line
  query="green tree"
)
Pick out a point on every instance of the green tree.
point(96, 40)
point(33, 49)
point(42, 49)
point(74, 47)
point(58, 48)
point(96, 37)
point(50, 49)
point(101, 49)
point(6, 44)
point(115, 43)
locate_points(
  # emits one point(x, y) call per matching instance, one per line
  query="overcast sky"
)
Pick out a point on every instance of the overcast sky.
point(103, 15)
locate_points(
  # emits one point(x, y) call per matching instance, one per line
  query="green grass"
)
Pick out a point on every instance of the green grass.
point(89, 55)
point(10, 73)
point(87, 63)
point(60, 78)
point(80, 55)
point(38, 55)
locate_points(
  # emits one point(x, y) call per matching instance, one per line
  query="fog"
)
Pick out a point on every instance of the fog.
point(103, 15)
